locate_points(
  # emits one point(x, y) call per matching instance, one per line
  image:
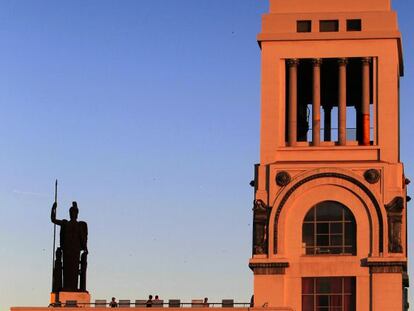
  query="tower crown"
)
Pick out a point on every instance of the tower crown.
point(327, 67)
point(297, 6)
point(325, 19)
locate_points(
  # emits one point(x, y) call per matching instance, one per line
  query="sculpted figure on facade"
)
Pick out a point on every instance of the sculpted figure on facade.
point(260, 221)
point(394, 215)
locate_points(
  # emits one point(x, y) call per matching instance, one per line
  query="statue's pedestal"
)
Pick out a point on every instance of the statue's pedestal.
point(83, 299)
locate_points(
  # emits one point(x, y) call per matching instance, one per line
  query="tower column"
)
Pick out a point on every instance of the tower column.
point(293, 101)
point(365, 101)
point(316, 105)
point(342, 102)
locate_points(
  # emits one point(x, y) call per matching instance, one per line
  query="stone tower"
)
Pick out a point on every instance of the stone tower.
point(330, 192)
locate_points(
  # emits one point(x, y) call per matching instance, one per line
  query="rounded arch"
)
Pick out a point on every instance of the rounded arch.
point(290, 242)
point(329, 227)
point(340, 176)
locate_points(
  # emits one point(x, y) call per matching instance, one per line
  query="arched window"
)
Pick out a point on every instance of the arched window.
point(329, 228)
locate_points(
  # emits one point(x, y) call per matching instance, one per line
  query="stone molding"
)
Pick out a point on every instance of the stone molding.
point(385, 266)
point(269, 268)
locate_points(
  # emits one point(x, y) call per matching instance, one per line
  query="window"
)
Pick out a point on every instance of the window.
point(328, 26)
point(304, 26)
point(329, 228)
point(353, 25)
point(328, 294)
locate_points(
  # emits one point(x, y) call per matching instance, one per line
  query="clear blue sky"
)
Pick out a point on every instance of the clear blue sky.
point(148, 113)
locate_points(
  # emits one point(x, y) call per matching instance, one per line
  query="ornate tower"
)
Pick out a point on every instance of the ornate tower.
point(330, 192)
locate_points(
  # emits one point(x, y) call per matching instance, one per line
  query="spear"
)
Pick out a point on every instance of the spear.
point(54, 236)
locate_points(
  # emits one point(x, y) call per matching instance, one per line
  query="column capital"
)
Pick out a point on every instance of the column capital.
point(366, 60)
point(317, 61)
point(342, 61)
point(293, 62)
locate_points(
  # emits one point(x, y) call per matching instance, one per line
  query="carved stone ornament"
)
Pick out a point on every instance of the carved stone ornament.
point(260, 220)
point(282, 178)
point(372, 176)
point(259, 206)
point(394, 215)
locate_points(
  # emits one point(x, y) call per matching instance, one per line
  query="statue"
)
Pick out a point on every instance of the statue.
point(260, 220)
point(394, 215)
point(73, 240)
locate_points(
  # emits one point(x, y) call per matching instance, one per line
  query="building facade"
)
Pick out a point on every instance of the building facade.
point(330, 224)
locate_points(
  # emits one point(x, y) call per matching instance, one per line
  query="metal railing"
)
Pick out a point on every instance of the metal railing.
point(170, 304)
point(351, 134)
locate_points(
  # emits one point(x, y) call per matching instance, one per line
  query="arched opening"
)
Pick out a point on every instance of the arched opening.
point(329, 228)
point(370, 205)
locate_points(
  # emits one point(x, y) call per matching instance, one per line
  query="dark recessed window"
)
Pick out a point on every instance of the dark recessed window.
point(328, 293)
point(304, 26)
point(328, 25)
point(353, 25)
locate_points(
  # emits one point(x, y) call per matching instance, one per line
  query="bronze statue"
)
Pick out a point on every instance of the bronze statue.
point(73, 240)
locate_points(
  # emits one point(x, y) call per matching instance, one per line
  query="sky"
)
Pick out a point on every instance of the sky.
point(148, 113)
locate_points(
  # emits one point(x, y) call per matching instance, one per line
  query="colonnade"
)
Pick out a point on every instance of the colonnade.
point(316, 102)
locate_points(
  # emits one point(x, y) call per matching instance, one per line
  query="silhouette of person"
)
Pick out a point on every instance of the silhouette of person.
point(73, 240)
point(149, 301)
point(113, 303)
point(205, 303)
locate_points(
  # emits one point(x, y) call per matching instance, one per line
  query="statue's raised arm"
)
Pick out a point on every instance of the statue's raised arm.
point(53, 215)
